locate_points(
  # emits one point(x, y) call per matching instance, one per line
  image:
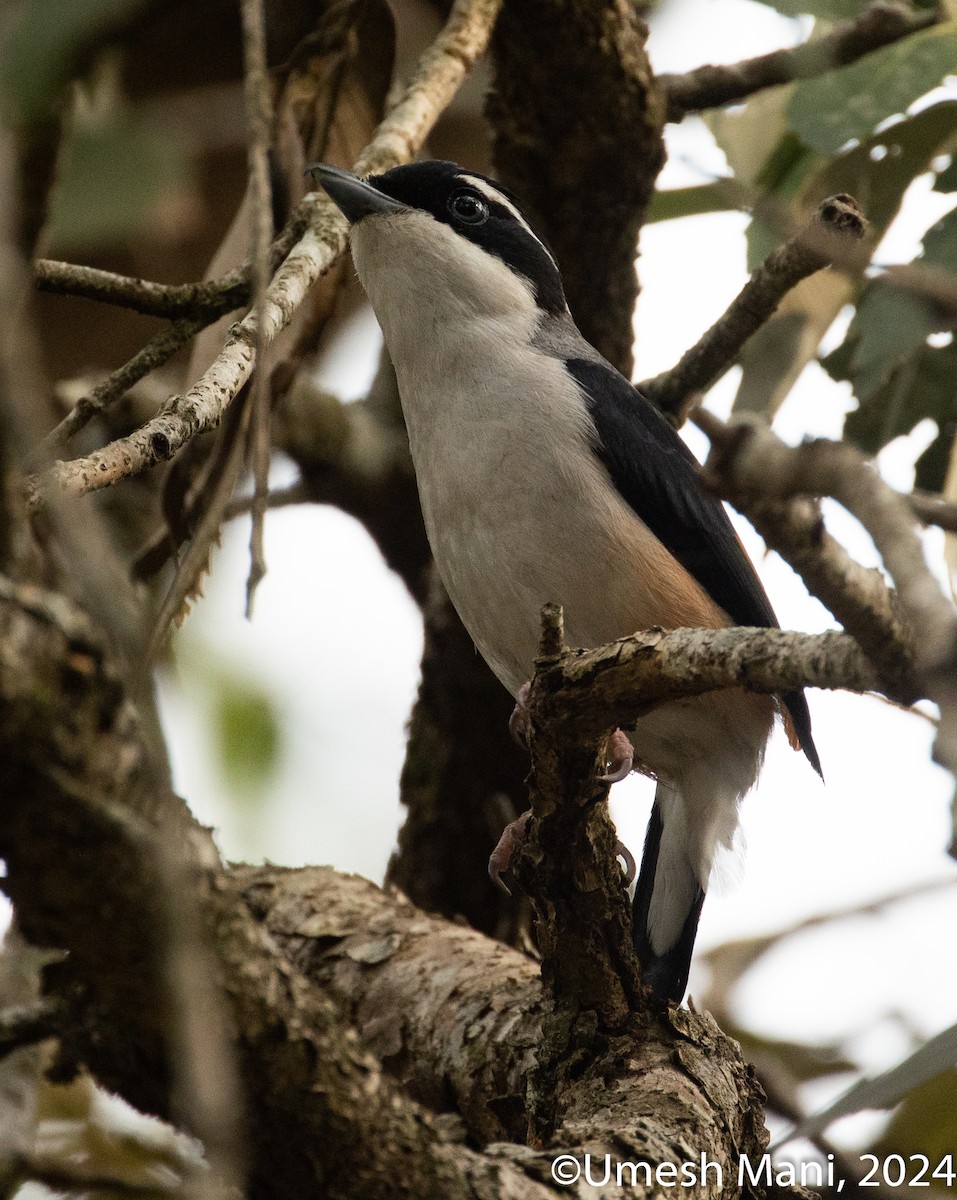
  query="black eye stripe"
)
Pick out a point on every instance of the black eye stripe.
point(432, 187)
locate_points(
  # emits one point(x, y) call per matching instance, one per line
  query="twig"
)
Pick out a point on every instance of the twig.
point(442, 69)
point(259, 123)
point(934, 510)
point(296, 493)
point(880, 25)
point(857, 596)
point(837, 222)
point(211, 296)
point(749, 462)
point(27, 1024)
point(157, 351)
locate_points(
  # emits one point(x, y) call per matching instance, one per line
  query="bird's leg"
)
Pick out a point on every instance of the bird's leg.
point(518, 721)
point(620, 757)
point(512, 837)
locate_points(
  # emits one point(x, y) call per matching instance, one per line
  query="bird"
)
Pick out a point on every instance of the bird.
point(544, 475)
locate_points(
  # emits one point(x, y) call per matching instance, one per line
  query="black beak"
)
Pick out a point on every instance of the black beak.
point(353, 196)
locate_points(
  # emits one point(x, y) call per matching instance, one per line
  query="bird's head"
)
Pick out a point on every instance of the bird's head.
point(444, 239)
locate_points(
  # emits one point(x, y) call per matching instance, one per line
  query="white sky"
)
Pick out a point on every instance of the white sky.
point(336, 641)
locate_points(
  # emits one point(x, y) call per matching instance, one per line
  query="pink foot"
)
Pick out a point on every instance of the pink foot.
point(621, 758)
point(501, 857)
point(518, 721)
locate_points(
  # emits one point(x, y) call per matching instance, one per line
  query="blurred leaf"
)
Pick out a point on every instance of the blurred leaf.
point(41, 40)
point(926, 1123)
point(850, 103)
point(248, 737)
point(114, 175)
point(750, 133)
point(946, 180)
point(838, 10)
point(673, 203)
point(921, 387)
point(886, 1090)
point(779, 352)
point(802, 1063)
point(889, 325)
point(940, 242)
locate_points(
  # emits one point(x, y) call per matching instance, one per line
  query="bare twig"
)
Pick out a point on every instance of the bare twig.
point(157, 351)
point(749, 462)
point(211, 297)
point(837, 224)
point(934, 510)
point(441, 71)
point(880, 25)
point(259, 123)
point(859, 597)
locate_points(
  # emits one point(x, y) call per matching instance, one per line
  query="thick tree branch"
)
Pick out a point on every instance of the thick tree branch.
point(467, 1037)
point(302, 953)
point(596, 690)
point(586, 170)
point(834, 228)
point(441, 72)
point(880, 25)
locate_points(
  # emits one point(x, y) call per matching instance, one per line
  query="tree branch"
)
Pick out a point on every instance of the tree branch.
point(857, 596)
point(837, 225)
point(610, 149)
point(441, 71)
point(880, 25)
point(304, 954)
point(751, 461)
point(259, 125)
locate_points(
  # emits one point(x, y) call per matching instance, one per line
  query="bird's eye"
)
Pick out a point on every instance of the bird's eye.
point(469, 208)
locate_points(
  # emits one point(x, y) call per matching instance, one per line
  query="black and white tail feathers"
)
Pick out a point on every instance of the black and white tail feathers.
point(665, 973)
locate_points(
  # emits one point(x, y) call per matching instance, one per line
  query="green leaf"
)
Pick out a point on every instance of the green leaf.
point(40, 41)
point(835, 10)
point(922, 386)
point(946, 180)
point(670, 204)
point(926, 1123)
point(778, 353)
point(833, 108)
point(247, 727)
point(889, 325)
point(886, 1090)
point(112, 177)
point(940, 242)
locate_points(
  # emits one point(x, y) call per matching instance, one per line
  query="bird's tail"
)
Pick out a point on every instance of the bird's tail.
point(668, 899)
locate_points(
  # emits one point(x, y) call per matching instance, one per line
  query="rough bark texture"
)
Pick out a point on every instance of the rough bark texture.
point(587, 185)
point(311, 962)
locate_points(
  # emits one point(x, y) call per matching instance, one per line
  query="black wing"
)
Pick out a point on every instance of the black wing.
point(657, 474)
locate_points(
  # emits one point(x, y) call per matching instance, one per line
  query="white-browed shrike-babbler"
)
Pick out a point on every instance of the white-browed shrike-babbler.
point(544, 475)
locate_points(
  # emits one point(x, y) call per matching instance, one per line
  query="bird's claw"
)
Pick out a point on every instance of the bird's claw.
point(499, 860)
point(620, 758)
point(628, 862)
point(518, 721)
